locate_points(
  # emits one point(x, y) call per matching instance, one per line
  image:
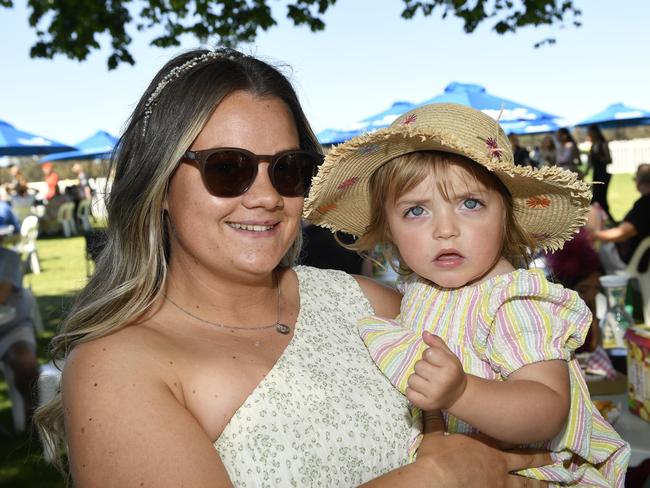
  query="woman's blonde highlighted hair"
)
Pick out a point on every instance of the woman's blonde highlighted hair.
point(131, 270)
point(403, 173)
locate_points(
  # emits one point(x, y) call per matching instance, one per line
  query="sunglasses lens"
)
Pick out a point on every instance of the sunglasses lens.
point(292, 174)
point(229, 173)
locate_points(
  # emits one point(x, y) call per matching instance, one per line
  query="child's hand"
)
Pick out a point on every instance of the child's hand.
point(439, 379)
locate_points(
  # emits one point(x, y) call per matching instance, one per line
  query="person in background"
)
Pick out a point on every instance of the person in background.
point(568, 155)
point(49, 223)
point(51, 178)
point(547, 152)
point(17, 340)
point(22, 202)
point(84, 189)
point(17, 178)
point(620, 242)
point(522, 158)
point(599, 158)
point(8, 217)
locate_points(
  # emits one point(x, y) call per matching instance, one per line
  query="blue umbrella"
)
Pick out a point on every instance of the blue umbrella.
point(335, 136)
point(369, 124)
point(98, 146)
point(618, 115)
point(14, 142)
point(385, 118)
point(516, 117)
point(531, 126)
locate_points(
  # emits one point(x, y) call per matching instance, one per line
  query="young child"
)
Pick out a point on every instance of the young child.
point(489, 344)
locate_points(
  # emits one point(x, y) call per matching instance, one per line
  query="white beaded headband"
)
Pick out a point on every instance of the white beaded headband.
point(178, 71)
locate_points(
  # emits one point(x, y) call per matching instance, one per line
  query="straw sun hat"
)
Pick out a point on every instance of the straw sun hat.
point(551, 204)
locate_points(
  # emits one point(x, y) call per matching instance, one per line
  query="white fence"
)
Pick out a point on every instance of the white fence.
point(628, 155)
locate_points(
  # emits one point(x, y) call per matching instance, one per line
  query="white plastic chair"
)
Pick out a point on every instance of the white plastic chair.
point(642, 277)
point(48, 385)
point(83, 215)
point(65, 216)
point(26, 247)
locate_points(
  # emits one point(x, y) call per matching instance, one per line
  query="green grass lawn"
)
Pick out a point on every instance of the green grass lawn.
point(63, 274)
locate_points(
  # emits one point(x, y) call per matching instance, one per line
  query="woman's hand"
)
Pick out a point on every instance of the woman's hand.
point(462, 461)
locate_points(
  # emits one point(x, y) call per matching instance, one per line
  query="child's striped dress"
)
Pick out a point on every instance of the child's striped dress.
point(495, 328)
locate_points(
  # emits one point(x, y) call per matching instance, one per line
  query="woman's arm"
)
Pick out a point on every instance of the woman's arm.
point(384, 300)
point(532, 405)
point(461, 461)
point(125, 427)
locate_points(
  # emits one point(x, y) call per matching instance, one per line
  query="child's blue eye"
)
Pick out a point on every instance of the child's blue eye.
point(471, 203)
point(414, 211)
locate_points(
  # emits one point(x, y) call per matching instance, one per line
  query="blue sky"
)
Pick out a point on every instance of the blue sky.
point(367, 58)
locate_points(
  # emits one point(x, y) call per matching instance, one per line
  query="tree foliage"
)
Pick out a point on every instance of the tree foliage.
point(72, 27)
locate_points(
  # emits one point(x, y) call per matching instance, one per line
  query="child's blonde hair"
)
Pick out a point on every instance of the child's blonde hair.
point(404, 173)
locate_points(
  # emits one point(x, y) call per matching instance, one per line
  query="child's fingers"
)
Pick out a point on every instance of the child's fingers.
point(426, 370)
point(416, 398)
point(419, 384)
point(436, 356)
point(432, 340)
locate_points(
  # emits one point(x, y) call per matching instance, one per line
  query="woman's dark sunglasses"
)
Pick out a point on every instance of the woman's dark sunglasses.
point(230, 171)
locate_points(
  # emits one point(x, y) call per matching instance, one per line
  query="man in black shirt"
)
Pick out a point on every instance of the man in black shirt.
point(636, 224)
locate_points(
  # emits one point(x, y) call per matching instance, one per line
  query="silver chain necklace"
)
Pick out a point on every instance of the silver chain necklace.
point(279, 326)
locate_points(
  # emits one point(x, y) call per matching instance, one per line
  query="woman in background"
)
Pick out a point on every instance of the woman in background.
point(568, 155)
point(599, 158)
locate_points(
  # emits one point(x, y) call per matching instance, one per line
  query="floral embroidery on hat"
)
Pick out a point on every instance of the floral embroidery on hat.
point(538, 202)
point(494, 151)
point(410, 119)
point(326, 208)
point(348, 183)
point(370, 149)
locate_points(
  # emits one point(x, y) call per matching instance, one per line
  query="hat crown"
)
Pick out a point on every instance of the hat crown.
point(470, 128)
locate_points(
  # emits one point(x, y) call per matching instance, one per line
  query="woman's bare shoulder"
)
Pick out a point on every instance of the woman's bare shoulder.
point(100, 371)
point(119, 404)
point(129, 348)
point(384, 299)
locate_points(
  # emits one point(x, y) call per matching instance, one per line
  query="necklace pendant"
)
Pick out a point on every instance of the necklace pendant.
point(282, 328)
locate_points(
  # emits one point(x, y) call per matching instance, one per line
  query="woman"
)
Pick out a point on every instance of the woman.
point(548, 152)
point(599, 158)
point(195, 355)
point(568, 155)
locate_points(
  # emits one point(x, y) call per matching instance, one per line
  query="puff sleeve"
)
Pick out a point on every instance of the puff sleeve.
point(532, 320)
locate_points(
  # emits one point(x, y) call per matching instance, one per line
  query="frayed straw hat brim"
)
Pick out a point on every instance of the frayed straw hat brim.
point(550, 204)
